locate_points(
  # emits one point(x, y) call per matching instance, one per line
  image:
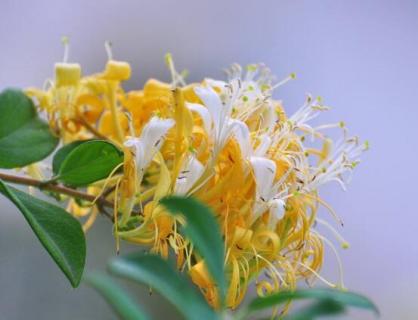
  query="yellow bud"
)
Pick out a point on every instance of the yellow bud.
point(200, 275)
point(157, 89)
point(67, 74)
point(117, 70)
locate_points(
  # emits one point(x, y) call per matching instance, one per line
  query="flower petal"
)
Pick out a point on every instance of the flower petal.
point(150, 141)
point(264, 173)
point(277, 209)
point(213, 103)
point(203, 113)
point(242, 134)
point(191, 172)
point(262, 148)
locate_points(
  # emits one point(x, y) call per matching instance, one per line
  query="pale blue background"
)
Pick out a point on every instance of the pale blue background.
point(360, 55)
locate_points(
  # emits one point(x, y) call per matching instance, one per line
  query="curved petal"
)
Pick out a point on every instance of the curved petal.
point(203, 113)
point(191, 172)
point(213, 103)
point(219, 84)
point(242, 134)
point(152, 136)
point(277, 209)
point(264, 173)
point(262, 148)
point(136, 145)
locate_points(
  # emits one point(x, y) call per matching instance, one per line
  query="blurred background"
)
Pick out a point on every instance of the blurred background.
point(361, 56)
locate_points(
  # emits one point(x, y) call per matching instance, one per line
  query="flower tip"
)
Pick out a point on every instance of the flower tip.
point(108, 47)
point(251, 67)
point(65, 40)
point(168, 58)
point(366, 145)
point(185, 73)
point(292, 76)
point(345, 245)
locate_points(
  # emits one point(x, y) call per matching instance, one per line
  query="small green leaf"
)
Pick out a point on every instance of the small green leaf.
point(60, 234)
point(116, 297)
point(24, 137)
point(317, 309)
point(203, 231)
point(152, 270)
point(89, 162)
point(62, 153)
point(344, 297)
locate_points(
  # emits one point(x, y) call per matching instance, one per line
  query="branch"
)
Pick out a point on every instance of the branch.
point(41, 185)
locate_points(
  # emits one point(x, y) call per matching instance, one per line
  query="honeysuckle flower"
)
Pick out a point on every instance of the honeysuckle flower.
point(267, 191)
point(148, 143)
point(217, 119)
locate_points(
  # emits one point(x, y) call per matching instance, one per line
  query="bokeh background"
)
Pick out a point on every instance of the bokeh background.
point(361, 56)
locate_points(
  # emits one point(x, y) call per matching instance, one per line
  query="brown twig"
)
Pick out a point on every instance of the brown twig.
point(101, 202)
point(90, 128)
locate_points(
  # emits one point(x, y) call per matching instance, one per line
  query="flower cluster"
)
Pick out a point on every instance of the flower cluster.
point(227, 143)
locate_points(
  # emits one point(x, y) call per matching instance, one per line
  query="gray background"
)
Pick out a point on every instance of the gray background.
point(360, 55)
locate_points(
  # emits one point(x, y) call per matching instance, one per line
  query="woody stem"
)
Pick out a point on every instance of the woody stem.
point(51, 186)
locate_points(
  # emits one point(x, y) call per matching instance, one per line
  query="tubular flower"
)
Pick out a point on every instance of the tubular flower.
point(227, 143)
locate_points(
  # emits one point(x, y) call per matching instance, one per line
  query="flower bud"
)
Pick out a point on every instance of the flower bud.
point(117, 70)
point(67, 74)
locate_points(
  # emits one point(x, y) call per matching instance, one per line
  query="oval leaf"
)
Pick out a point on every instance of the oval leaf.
point(202, 230)
point(62, 153)
point(24, 137)
point(116, 297)
point(343, 297)
point(60, 234)
point(152, 270)
point(89, 162)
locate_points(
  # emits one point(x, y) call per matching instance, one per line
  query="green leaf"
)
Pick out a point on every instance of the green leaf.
point(89, 162)
point(116, 297)
point(60, 234)
point(344, 297)
point(24, 137)
point(202, 230)
point(62, 153)
point(152, 270)
point(317, 309)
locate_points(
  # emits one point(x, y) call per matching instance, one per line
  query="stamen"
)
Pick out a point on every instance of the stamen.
point(337, 256)
point(328, 283)
point(66, 43)
point(108, 48)
point(176, 78)
point(343, 242)
point(292, 76)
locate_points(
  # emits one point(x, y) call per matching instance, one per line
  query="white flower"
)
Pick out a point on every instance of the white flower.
point(149, 142)
point(268, 196)
point(191, 171)
point(217, 121)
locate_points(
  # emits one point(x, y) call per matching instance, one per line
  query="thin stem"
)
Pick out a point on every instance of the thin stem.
point(51, 186)
point(90, 128)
